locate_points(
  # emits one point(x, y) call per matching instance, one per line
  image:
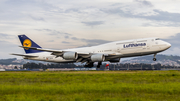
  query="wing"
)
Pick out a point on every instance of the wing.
point(82, 56)
point(58, 52)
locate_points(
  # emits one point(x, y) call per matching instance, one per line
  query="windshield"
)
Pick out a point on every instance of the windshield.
point(157, 39)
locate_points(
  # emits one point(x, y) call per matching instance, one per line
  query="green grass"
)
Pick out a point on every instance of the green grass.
point(90, 85)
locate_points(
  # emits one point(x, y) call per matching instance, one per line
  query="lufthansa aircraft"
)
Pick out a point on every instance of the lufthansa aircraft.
point(111, 52)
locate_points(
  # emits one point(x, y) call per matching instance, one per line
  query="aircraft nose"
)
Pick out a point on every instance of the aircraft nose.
point(168, 45)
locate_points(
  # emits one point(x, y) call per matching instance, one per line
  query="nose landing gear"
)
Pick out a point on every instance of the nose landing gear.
point(154, 59)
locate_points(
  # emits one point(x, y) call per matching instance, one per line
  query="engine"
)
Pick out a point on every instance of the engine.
point(97, 58)
point(70, 56)
point(115, 60)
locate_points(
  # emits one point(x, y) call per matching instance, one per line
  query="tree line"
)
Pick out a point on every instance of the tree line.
point(111, 66)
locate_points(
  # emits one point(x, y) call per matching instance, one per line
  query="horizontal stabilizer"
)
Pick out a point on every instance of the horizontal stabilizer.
point(53, 51)
point(41, 49)
point(26, 55)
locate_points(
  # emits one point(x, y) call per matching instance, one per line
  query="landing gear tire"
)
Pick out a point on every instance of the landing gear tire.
point(154, 59)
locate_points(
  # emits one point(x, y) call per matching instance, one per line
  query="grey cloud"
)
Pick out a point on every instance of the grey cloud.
point(8, 48)
point(95, 41)
point(66, 37)
point(38, 29)
point(91, 42)
point(54, 32)
point(51, 41)
point(49, 30)
point(19, 2)
point(74, 38)
point(29, 4)
point(144, 2)
point(65, 42)
point(15, 10)
point(37, 18)
point(6, 36)
point(160, 24)
point(163, 16)
point(175, 47)
point(157, 15)
point(72, 10)
point(174, 40)
point(147, 24)
point(93, 23)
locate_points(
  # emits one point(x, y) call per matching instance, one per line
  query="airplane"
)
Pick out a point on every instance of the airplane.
point(111, 52)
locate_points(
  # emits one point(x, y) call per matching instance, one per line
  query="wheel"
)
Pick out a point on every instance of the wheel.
point(154, 59)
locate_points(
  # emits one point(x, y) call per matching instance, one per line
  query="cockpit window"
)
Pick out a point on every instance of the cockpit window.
point(157, 39)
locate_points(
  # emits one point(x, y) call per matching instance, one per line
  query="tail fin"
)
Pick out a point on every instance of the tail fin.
point(27, 42)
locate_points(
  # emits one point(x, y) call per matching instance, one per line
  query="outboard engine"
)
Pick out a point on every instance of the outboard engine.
point(97, 58)
point(70, 55)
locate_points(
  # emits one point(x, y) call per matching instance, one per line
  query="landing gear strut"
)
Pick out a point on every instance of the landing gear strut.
point(154, 59)
point(89, 64)
point(99, 64)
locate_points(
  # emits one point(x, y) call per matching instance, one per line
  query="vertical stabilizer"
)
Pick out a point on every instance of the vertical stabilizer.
point(27, 42)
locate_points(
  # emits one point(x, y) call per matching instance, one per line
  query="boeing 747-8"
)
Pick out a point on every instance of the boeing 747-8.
point(111, 52)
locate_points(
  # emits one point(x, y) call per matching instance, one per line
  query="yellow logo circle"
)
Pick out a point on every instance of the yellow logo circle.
point(27, 43)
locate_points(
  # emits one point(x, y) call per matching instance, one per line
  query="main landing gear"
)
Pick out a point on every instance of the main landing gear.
point(89, 64)
point(99, 64)
point(154, 59)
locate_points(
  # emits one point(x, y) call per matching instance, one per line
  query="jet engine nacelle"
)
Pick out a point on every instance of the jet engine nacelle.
point(70, 55)
point(97, 58)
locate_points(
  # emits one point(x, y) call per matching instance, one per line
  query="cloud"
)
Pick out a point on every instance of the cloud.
point(74, 38)
point(93, 23)
point(175, 47)
point(54, 32)
point(37, 18)
point(72, 10)
point(174, 40)
point(65, 42)
point(163, 16)
point(52, 19)
point(50, 41)
point(157, 16)
point(144, 2)
point(66, 37)
point(160, 24)
point(91, 42)
point(2, 35)
point(7, 48)
point(144, 12)
point(6, 37)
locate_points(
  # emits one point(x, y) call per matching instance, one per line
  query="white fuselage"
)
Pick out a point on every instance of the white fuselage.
point(118, 49)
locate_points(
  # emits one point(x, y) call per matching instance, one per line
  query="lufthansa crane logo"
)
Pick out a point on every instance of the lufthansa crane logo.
point(27, 43)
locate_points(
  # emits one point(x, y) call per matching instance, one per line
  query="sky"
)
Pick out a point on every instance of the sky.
point(62, 24)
